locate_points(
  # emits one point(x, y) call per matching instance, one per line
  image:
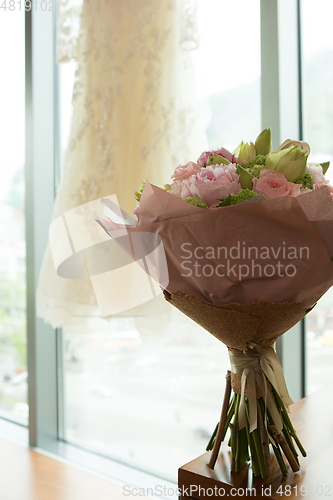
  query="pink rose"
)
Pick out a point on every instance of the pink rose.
point(213, 183)
point(202, 160)
point(273, 185)
point(318, 177)
point(317, 173)
point(183, 172)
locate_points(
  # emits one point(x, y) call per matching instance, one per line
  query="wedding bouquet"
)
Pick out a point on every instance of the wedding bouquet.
point(248, 245)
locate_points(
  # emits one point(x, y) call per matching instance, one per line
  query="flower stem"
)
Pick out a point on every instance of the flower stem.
point(287, 422)
point(210, 445)
point(280, 460)
point(234, 429)
point(255, 468)
point(264, 439)
point(245, 444)
point(230, 414)
point(257, 444)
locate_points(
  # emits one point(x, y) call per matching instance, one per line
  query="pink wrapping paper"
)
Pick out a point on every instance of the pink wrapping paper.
point(285, 223)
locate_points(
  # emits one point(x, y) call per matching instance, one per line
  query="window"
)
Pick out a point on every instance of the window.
point(13, 362)
point(317, 51)
point(142, 392)
point(146, 390)
point(227, 71)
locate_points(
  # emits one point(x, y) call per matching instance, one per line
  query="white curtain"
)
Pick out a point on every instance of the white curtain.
point(134, 116)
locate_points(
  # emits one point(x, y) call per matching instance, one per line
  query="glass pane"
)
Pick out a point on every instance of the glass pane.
point(143, 390)
point(13, 363)
point(147, 389)
point(317, 52)
point(227, 69)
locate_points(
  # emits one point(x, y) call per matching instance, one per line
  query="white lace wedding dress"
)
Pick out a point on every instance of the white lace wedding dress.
point(133, 117)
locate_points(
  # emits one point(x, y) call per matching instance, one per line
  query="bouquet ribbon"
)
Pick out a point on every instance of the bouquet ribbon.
point(256, 366)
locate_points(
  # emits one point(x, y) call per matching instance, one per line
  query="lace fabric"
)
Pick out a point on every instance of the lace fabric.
point(69, 22)
point(133, 118)
point(68, 29)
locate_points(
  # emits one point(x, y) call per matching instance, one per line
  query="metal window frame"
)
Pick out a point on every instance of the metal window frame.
point(39, 171)
point(281, 110)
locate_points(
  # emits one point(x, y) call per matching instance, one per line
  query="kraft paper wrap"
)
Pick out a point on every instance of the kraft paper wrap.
point(236, 325)
point(249, 330)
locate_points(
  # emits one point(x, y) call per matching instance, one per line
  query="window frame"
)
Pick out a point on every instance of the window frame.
point(281, 109)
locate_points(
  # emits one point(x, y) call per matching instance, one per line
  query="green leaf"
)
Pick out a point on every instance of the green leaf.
point(225, 203)
point(325, 165)
point(247, 151)
point(245, 178)
point(263, 142)
point(291, 162)
point(209, 161)
point(237, 150)
point(217, 160)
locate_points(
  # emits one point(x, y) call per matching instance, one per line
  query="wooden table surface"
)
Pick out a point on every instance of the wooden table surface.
point(28, 475)
point(313, 420)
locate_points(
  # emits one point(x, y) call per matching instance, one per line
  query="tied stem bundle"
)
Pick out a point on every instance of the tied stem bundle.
point(257, 414)
point(256, 396)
